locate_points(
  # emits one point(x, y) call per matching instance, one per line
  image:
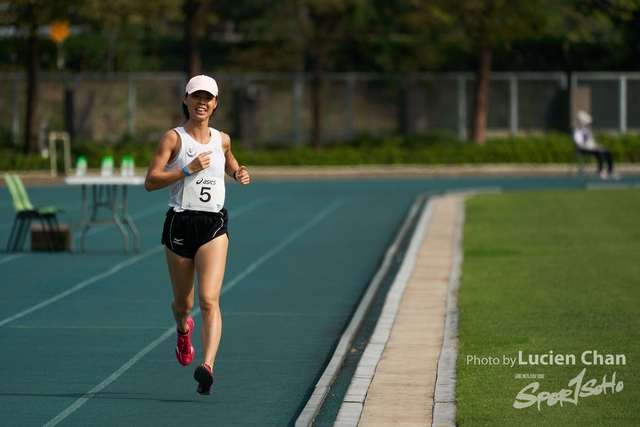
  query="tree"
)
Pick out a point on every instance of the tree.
point(598, 22)
point(487, 24)
point(192, 9)
point(323, 28)
point(28, 16)
point(32, 23)
point(305, 34)
point(411, 34)
point(479, 26)
point(124, 19)
point(323, 25)
point(199, 16)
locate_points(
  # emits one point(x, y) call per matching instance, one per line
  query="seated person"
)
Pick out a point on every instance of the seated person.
point(586, 144)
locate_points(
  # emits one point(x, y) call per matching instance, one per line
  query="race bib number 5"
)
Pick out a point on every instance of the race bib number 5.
point(203, 193)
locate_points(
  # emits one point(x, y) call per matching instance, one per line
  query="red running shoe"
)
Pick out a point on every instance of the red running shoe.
point(184, 349)
point(204, 376)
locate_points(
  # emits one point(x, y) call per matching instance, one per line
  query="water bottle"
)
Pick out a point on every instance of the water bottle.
point(107, 166)
point(124, 167)
point(127, 166)
point(132, 167)
point(81, 166)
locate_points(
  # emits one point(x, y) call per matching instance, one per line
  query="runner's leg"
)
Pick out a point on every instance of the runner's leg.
point(210, 263)
point(181, 272)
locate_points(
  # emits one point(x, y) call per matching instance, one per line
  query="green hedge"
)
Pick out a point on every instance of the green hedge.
point(433, 149)
point(553, 148)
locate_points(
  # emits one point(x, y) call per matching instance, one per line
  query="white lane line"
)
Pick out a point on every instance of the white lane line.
point(323, 385)
point(78, 403)
point(171, 331)
point(7, 225)
point(11, 258)
point(137, 215)
point(83, 284)
point(152, 210)
point(241, 210)
point(314, 221)
point(91, 232)
point(235, 212)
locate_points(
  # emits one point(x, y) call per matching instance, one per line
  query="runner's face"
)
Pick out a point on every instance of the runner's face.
point(201, 104)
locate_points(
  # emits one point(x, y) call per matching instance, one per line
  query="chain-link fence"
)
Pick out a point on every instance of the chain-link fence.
point(276, 108)
point(614, 99)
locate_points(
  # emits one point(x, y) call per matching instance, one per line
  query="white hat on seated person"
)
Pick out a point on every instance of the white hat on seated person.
point(583, 118)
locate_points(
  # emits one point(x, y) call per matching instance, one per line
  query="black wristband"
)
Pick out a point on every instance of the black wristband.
point(234, 175)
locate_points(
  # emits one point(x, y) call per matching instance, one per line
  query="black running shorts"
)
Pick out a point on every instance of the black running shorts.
point(184, 232)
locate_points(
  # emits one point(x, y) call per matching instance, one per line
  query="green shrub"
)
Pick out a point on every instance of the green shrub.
point(429, 150)
point(13, 159)
point(433, 149)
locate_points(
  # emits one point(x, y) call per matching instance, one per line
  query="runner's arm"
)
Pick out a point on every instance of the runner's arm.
point(232, 167)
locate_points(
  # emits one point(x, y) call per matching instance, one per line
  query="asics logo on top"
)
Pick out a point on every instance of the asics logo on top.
point(206, 181)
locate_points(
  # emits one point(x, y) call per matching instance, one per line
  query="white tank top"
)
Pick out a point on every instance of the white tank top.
point(206, 189)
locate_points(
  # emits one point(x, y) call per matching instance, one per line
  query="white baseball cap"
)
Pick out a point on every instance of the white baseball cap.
point(202, 82)
point(583, 118)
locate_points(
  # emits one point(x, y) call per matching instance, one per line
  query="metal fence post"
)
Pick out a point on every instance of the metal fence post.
point(131, 106)
point(298, 99)
point(15, 122)
point(462, 107)
point(513, 104)
point(351, 106)
point(623, 104)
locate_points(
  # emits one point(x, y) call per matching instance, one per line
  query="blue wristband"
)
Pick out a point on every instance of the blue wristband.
point(186, 171)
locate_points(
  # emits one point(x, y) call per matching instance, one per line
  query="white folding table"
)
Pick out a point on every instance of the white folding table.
point(104, 195)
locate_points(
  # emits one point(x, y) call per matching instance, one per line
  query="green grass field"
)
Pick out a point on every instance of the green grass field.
point(550, 276)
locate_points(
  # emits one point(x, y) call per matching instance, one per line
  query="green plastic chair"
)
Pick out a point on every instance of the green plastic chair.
point(26, 213)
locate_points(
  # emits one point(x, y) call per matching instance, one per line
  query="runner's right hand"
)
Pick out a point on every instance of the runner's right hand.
point(200, 163)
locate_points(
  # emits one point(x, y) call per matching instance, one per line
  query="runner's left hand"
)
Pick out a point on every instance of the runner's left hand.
point(242, 176)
